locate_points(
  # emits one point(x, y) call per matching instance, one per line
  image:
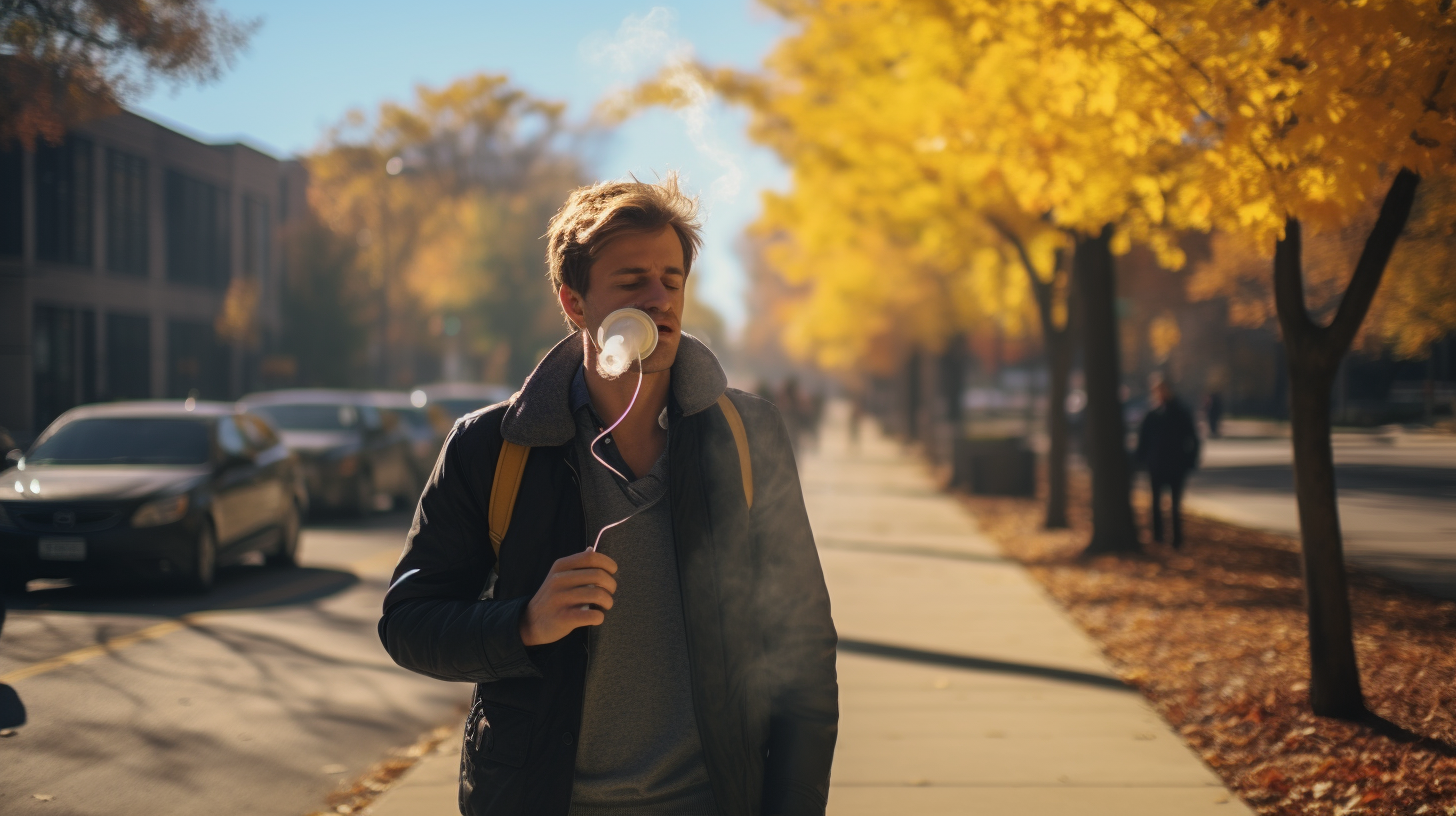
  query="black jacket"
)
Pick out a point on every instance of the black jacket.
point(761, 643)
point(1168, 443)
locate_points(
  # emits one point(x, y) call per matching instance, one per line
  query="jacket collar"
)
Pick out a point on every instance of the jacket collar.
point(540, 413)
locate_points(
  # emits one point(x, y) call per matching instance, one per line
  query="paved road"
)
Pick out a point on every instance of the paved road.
point(1397, 501)
point(258, 699)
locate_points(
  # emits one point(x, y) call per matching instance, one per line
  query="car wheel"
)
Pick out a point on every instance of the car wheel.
point(287, 553)
point(364, 494)
point(203, 570)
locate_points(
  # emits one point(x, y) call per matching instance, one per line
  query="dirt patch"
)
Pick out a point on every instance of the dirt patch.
point(1215, 637)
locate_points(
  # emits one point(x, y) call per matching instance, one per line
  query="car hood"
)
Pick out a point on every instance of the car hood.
point(319, 441)
point(97, 482)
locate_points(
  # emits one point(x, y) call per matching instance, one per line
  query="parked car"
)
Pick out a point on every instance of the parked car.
point(355, 457)
point(457, 399)
point(146, 490)
point(425, 424)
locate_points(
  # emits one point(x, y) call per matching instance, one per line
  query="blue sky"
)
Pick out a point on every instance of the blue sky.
point(311, 61)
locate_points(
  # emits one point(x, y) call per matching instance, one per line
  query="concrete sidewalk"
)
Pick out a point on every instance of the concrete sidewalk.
point(963, 688)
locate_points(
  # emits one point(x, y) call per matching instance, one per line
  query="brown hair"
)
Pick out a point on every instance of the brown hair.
point(593, 216)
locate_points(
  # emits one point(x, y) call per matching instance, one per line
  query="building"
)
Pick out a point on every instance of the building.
point(118, 251)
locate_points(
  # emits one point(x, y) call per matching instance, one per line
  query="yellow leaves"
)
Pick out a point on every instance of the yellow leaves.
point(907, 122)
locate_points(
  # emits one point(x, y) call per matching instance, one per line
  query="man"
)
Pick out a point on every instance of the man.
point(1168, 448)
point(686, 667)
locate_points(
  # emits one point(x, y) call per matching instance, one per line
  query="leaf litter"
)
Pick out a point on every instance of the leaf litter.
point(354, 795)
point(1215, 637)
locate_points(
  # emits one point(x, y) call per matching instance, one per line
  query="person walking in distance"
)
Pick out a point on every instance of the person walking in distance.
point(1168, 447)
point(623, 565)
point(1213, 409)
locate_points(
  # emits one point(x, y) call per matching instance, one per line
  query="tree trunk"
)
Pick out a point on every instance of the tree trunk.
point(1314, 353)
point(1094, 278)
point(1058, 343)
point(1059, 369)
point(912, 397)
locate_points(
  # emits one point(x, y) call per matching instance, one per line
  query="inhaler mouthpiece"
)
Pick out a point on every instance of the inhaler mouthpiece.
point(626, 335)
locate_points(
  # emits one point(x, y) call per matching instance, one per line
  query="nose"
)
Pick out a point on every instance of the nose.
point(656, 298)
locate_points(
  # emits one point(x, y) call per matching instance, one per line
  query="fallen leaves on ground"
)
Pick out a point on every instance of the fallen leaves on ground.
point(1215, 637)
point(354, 795)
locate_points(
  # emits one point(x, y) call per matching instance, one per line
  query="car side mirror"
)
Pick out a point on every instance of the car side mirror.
point(14, 455)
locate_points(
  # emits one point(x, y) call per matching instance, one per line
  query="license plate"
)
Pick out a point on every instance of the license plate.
point(63, 549)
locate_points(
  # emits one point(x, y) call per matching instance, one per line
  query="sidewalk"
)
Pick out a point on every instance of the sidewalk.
point(963, 688)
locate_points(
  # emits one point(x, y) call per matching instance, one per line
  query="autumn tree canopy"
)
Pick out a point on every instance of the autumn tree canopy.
point(64, 62)
point(447, 197)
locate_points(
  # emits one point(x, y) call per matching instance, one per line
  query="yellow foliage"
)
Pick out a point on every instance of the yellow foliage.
point(907, 123)
point(447, 198)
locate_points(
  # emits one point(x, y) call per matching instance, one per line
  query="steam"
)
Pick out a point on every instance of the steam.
point(645, 45)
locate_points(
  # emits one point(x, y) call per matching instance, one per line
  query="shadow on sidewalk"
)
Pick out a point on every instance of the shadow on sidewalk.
point(864, 647)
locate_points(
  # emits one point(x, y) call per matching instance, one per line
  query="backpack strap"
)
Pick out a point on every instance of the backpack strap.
point(740, 439)
point(509, 468)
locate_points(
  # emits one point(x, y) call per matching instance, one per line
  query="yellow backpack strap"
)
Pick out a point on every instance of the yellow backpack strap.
point(503, 489)
point(740, 438)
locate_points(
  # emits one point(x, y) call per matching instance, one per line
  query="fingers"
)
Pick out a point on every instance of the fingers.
point(588, 559)
point(580, 596)
point(561, 581)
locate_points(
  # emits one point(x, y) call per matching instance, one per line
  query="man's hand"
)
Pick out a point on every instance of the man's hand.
point(577, 592)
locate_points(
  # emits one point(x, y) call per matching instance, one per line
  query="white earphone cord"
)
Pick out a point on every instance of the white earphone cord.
point(595, 455)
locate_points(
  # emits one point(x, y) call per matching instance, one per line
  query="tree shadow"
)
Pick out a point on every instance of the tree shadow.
point(1399, 733)
point(983, 664)
point(237, 587)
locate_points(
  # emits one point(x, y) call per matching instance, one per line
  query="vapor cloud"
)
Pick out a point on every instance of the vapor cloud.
point(647, 45)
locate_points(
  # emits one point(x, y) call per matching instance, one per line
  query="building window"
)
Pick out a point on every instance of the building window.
point(63, 357)
point(126, 213)
point(257, 234)
point(196, 361)
point(12, 225)
point(197, 231)
point(63, 202)
point(128, 356)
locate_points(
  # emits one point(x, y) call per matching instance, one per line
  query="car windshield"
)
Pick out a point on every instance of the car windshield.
point(310, 417)
point(125, 441)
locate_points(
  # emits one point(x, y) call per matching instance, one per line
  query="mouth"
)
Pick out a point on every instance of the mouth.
point(664, 329)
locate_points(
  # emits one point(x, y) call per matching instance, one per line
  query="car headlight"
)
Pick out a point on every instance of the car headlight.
point(161, 511)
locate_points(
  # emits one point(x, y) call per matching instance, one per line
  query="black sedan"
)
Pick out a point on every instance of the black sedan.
point(139, 490)
point(356, 458)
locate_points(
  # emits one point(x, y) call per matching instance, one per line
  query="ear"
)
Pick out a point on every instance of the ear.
point(573, 305)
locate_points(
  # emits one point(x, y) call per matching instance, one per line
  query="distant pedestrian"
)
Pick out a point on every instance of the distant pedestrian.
point(1213, 409)
point(1168, 448)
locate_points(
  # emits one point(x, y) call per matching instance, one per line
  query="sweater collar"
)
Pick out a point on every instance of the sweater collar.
point(540, 414)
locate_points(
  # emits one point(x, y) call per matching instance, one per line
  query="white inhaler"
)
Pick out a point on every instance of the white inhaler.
point(626, 335)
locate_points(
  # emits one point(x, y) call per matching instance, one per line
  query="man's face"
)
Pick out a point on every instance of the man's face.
point(643, 271)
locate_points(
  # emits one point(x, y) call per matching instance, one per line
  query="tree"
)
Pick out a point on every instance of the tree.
point(1300, 113)
point(323, 334)
point(923, 122)
point(64, 62)
point(446, 197)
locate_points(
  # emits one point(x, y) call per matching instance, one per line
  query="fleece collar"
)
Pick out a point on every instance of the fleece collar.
point(540, 413)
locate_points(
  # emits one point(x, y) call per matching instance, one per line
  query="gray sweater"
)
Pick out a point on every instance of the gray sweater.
point(639, 750)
